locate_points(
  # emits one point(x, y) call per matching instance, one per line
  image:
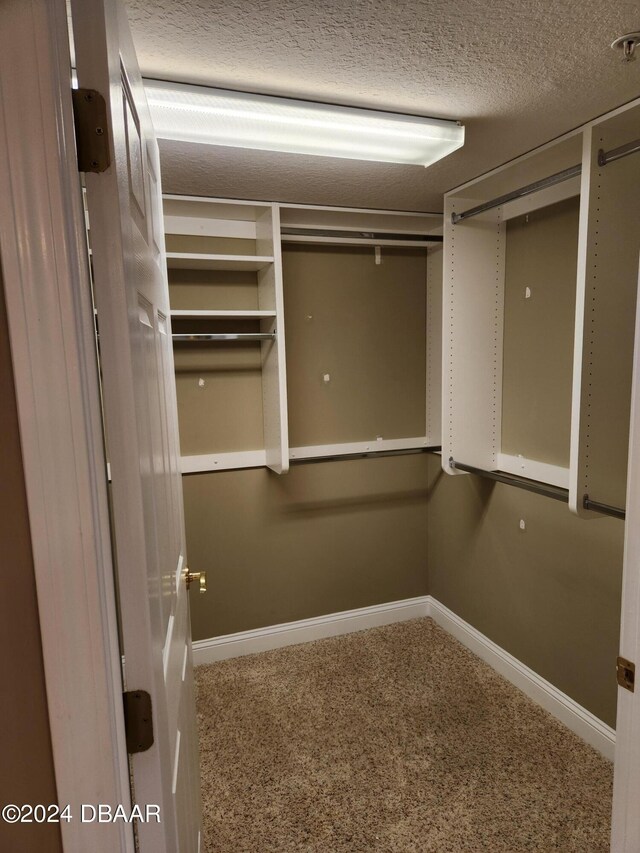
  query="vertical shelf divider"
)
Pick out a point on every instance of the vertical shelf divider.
point(434, 346)
point(579, 394)
point(605, 313)
point(274, 378)
point(472, 336)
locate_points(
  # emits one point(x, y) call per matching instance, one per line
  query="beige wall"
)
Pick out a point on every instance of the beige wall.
point(27, 764)
point(541, 254)
point(363, 325)
point(549, 594)
point(335, 536)
point(325, 537)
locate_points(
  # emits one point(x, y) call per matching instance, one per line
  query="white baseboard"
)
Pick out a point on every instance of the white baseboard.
point(306, 630)
point(580, 721)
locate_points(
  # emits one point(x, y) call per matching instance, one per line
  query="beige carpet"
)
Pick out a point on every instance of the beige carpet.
point(393, 739)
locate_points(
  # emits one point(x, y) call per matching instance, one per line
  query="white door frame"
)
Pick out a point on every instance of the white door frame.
point(46, 277)
point(625, 834)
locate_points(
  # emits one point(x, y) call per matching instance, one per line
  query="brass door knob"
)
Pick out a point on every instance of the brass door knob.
point(200, 577)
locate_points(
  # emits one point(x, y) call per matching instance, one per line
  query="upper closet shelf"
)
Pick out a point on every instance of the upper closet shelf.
point(241, 263)
point(222, 315)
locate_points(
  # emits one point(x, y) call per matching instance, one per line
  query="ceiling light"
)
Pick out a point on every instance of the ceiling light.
point(220, 117)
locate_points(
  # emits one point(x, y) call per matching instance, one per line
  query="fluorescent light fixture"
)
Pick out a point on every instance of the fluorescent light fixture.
point(221, 117)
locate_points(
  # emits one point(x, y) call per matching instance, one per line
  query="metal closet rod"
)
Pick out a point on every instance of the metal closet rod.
point(604, 509)
point(529, 189)
point(366, 454)
point(545, 489)
point(360, 235)
point(232, 336)
point(605, 157)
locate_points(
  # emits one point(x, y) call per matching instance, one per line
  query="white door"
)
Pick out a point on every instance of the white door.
point(625, 836)
point(132, 300)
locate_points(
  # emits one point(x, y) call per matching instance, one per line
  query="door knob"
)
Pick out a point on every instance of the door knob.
point(200, 577)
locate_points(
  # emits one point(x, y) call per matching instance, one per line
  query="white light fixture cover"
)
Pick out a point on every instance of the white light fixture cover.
point(221, 117)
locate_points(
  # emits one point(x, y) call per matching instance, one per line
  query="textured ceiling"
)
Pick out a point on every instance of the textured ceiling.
point(516, 72)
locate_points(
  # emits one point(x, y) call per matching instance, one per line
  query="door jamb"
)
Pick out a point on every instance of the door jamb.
point(51, 329)
point(625, 824)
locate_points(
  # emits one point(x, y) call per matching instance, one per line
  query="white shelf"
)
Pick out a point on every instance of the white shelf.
point(224, 461)
point(348, 448)
point(343, 218)
point(258, 458)
point(261, 223)
point(532, 469)
point(222, 315)
point(242, 263)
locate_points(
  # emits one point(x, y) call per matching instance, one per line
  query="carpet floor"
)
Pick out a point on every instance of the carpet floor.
point(392, 740)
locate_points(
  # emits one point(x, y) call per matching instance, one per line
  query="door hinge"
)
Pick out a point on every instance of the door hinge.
point(92, 130)
point(626, 671)
point(138, 720)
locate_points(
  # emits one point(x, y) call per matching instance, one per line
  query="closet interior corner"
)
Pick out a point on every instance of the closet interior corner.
point(326, 356)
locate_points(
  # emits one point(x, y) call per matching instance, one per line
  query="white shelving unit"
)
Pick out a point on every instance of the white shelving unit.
point(210, 222)
point(473, 314)
point(195, 261)
point(605, 292)
point(223, 314)
point(212, 228)
point(380, 230)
